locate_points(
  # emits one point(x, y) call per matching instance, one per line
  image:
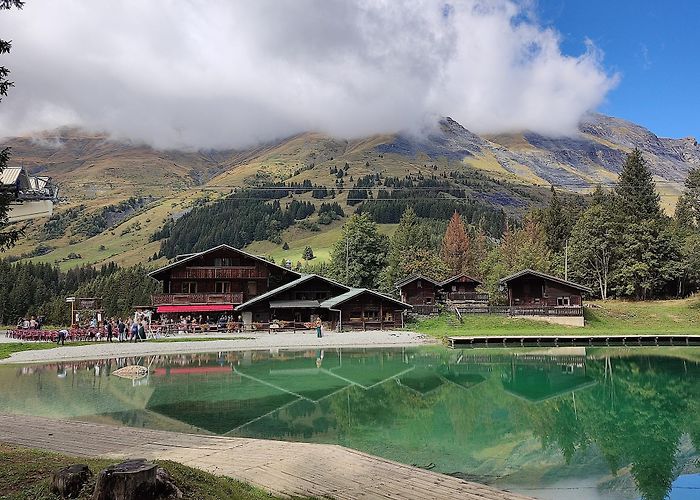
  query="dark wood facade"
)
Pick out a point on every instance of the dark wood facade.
point(418, 290)
point(532, 289)
point(298, 304)
point(220, 276)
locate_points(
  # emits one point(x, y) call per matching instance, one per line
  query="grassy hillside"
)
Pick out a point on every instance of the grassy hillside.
point(508, 171)
point(611, 317)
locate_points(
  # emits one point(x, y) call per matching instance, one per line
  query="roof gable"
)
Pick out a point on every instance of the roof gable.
point(526, 272)
point(413, 277)
point(356, 292)
point(458, 276)
point(190, 257)
point(287, 286)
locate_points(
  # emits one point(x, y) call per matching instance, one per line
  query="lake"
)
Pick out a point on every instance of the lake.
point(554, 424)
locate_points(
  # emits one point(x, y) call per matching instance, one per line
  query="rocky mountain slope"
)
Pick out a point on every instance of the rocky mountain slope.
point(508, 171)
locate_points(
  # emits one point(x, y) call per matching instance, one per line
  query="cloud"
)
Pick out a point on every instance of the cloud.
point(220, 73)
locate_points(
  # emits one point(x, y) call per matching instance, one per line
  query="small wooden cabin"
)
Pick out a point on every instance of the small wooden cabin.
point(418, 290)
point(462, 288)
point(533, 289)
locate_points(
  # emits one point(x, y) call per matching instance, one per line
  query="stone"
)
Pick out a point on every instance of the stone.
point(68, 481)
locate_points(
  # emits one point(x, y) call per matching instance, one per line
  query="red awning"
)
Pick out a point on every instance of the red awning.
point(195, 370)
point(195, 308)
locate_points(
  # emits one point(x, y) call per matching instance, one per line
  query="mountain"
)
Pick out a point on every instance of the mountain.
point(120, 193)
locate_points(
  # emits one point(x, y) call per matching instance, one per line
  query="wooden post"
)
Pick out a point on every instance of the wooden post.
point(381, 315)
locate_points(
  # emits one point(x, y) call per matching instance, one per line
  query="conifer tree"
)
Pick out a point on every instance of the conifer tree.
point(636, 189)
point(359, 256)
point(455, 246)
point(688, 206)
point(308, 254)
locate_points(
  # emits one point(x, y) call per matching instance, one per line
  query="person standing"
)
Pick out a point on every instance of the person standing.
point(110, 329)
point(121, 328)
point(319, 334)
point(134, 331)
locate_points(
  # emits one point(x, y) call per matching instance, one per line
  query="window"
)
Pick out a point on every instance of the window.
point(222, 287)
point(419, 284)
point(563, 301)
point(454, 288)
point(372, 314)
point(252, 288)
point(355, 314)
point(223, 262)
point(189, 287)
point(428, 300)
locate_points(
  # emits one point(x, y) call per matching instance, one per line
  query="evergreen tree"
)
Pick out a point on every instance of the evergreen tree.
point(636, 188)
point(285, 246)
point(456, 247)
point(8, 237)
point(308, 254)
point(360, 255)
point(688, 206)
point(406, 239)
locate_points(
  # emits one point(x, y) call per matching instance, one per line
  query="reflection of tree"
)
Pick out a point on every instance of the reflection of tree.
point(636, 415)
point(380, 406)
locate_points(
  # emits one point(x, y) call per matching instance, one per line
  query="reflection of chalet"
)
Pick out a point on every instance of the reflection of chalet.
point(215, 280)
point(532, 293)
point(539, 382)
point(299, 302)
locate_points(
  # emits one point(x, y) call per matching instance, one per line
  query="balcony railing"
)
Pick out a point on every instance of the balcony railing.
point(537, 310)
point(468, 296)
point(196, 298)
point(217, 273)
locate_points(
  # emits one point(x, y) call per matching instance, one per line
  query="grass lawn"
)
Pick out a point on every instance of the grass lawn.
point(6, 349)
point(610, 317)
point(26, 474)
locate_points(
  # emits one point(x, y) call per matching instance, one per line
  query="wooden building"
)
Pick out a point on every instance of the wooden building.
point(462, 288)
point(420, 292)
point(298, 304)
point(215, 281)
point(533, 293)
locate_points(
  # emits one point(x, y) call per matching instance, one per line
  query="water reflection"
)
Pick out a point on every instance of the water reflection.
point(610, 424)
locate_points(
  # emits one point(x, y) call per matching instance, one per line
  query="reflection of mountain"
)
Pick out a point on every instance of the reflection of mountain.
point(525, 420)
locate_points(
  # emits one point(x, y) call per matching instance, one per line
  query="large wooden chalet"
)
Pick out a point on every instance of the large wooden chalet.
point(215, 281)
point(227, 281)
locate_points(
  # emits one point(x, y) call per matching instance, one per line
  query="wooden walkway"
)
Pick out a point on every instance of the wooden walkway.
point(574, 340)
point(280, 467)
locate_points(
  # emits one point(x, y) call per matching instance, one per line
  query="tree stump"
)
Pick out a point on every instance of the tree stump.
point(68, 481)
point(130, 480)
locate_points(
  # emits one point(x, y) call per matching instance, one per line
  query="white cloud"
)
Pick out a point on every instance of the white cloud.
point(220, 73)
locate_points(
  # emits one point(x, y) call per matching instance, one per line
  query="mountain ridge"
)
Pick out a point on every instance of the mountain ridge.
point(511, 172)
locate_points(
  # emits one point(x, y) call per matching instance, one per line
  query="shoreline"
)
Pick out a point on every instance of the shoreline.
point(238, 342)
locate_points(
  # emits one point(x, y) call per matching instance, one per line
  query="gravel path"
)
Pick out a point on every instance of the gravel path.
point(257, 342)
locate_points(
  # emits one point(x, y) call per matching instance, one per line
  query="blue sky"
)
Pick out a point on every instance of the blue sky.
point(653, 45)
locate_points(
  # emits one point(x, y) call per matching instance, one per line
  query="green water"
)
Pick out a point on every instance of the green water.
point(557, 424)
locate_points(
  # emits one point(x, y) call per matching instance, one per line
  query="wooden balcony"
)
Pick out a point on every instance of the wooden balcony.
point(218, 273)
point(468, 297)
point(196, 298)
